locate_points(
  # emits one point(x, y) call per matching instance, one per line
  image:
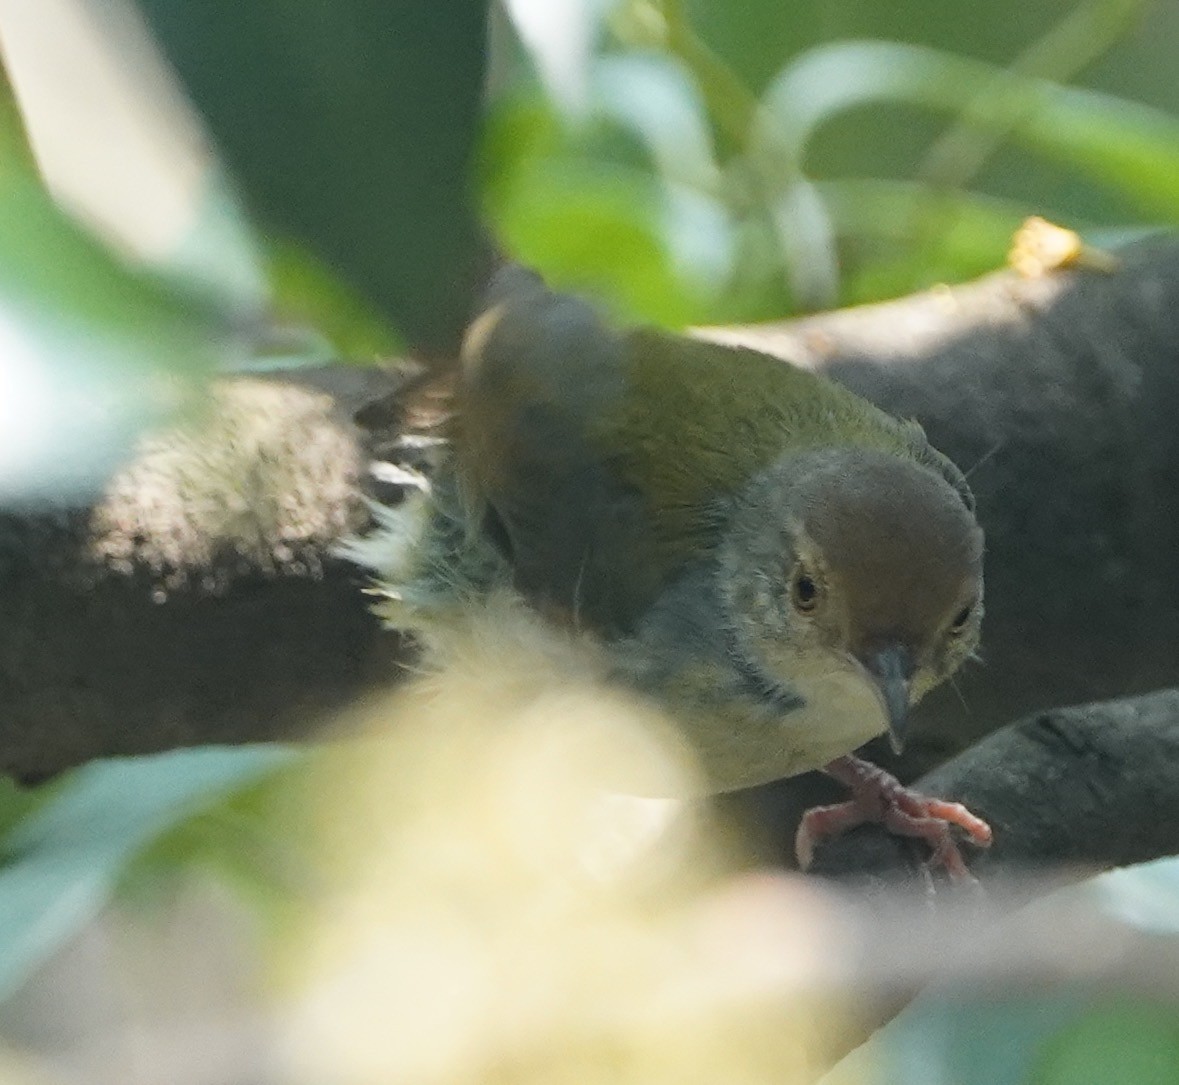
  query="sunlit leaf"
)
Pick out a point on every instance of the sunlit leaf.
point(90, 353)
point(600, 232)
point(148, 184)
point(560, 36)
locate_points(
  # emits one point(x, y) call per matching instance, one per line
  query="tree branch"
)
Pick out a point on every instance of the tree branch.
point(198, 602)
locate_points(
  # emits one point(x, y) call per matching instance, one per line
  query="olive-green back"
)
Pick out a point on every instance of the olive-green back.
point(700, 419)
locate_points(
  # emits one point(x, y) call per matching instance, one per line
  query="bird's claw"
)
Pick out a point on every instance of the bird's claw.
point(878, 796)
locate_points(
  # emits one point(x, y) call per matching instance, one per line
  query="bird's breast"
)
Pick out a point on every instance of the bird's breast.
point(841, 712)
point(740, 741)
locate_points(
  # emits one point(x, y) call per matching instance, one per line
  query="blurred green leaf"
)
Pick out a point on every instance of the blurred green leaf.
point(306, 290)
point(90, 352)
point(1086, 32)
point(65, 858)
point(219, 257)
point(521, 130)
point(1120, 1043)
point(597, 231)
point(874, 221)
point(1146, 895)
point(730, 107)
point(120, 151)
point(242, 840)
point(655, 99)
point(1127, 146)
point(757, 35)
point(560, 36)
point(957, 1036)
point(629, 182)
point(349, 125)
point(17, 802)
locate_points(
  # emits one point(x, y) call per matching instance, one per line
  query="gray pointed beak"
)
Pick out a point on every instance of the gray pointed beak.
point(891, 670)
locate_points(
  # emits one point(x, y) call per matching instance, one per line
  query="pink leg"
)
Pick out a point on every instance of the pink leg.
point(879, 796)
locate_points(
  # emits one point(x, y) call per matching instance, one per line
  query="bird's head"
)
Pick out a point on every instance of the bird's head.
point(854, 562)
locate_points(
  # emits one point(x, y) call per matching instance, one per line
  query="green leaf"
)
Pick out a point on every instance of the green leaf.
point(65, 858)
point(1129, 147)
point(875, 223)
point(305, 290)
point(218, 258)
point(1145, 895)
point(245, 841)
point(349, 126)
point(559, 36)
point(654, 98)
point(91, 353)
point(1131, 1042)
point(965, 1037)
point(599, 231)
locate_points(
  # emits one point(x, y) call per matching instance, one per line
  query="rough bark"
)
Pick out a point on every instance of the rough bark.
point(198, 601)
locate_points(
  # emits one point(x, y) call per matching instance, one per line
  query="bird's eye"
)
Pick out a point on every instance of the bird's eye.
point(961, 618)
point(804, 592)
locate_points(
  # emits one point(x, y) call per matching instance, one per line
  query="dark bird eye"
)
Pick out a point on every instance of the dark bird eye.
point(961, 618)
point(804, 593)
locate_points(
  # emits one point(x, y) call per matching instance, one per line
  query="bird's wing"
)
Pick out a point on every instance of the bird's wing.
point(538, 368)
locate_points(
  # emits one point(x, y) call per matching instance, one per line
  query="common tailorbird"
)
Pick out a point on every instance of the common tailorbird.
point(778, 564)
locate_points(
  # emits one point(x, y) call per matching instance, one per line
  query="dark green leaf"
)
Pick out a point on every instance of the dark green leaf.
point(349, 126)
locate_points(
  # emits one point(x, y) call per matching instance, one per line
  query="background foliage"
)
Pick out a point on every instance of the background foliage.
point(712, 162)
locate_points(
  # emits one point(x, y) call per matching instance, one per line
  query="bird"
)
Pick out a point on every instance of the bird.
point(779, 565)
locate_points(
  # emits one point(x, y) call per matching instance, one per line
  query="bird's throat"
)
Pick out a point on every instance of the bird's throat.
point(757, 682)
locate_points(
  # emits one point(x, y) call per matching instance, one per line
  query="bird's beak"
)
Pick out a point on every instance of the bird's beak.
point(891, 670)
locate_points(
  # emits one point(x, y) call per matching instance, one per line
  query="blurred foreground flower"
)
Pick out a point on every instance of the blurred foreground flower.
point(494, 913)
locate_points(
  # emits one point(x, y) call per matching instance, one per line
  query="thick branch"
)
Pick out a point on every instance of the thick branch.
point(199, 601)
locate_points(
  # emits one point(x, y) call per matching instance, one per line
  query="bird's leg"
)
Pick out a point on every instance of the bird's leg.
point(879, 796)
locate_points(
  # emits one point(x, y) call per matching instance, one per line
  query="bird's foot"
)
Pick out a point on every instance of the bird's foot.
point(879, 796)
